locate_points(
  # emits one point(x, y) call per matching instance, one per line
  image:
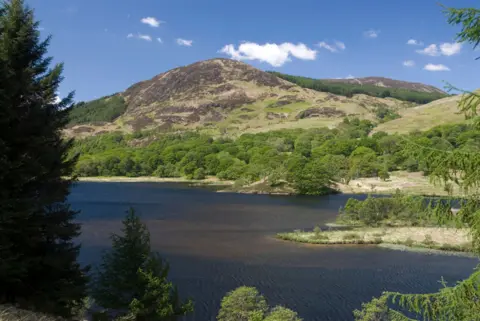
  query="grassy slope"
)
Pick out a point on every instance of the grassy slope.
point(424, 117)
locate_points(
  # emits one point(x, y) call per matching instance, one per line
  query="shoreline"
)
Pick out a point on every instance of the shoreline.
point(408, 183)
point(431, 240)
point(153, 179)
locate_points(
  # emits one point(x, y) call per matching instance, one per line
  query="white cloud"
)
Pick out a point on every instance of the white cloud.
point(431, 50)
point(450, 49)
point(184, 42)
point(445, 49)
point(432, 67)
point(152, 22)
point(57, 99)
point(160, 40)
point(414, 42)
point(349, 77)
point(371, 33)
point(144, 37)
point(274, 54)
point(140, 36)
point(409, 63)
point(338, 45)
point(325, 45)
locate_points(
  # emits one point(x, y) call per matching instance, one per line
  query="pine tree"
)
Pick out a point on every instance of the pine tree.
point(38, 259)
point(462, 167)
point(132, 281)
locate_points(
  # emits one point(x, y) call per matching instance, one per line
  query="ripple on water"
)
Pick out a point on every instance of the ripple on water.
point(216, 242)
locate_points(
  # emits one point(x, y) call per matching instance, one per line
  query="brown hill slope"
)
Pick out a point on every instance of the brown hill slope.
point(222, 96)
point(389, 83)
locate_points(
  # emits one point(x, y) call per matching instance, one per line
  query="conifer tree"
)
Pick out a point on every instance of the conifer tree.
point(131, 282)
point(462, 167)
point(38, 258)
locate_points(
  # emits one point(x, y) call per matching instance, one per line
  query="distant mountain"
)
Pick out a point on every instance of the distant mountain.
point(372, 86)
point(219, 96)
point(389, 83)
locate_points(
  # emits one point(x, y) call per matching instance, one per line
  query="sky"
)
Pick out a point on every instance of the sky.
point(108, 45)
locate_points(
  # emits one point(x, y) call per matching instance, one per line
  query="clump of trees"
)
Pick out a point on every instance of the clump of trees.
point(399, 210)
point(247, 304)
point(105, 109)
point(348, 90)
point(313, 161)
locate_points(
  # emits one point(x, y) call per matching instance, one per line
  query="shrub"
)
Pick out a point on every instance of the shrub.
point(282, 314)
point(409, 242)
point(199, 174)
point(428, 240)
point(243, 304)
point(350, 236)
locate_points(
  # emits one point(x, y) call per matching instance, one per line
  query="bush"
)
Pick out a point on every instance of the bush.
point(199, 174)
point(428, 240)
point(409, 242)
point(282, 314)
point(243, 304)
point(350, 236)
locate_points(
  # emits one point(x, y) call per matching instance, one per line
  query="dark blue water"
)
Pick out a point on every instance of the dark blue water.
point(216, 242)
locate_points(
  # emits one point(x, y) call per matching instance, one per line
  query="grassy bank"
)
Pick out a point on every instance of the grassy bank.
point(413, 183)
point(152, 179)
point(437, 238)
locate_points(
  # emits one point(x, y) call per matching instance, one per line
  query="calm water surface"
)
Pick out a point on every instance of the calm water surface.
point(216, 242)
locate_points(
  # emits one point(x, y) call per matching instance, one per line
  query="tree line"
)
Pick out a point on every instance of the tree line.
point(348, 90)
point(312, 160)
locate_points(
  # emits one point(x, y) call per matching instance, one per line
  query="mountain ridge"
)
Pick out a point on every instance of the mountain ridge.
point(385, 82)
point(220, 96)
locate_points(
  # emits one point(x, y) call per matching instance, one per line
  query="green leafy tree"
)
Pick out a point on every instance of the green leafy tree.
point(243, 304)
point(132, 280)
point(461, 301)
point(282, 314)
point(38, 258)
point(313, 179)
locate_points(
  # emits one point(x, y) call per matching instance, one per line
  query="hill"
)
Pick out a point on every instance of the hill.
point(220, 96)
point(389, 83)
point(372, 86)
point(424, 117)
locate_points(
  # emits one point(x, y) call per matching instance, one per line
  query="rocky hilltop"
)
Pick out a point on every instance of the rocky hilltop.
point(389, 83)
point(219, 96)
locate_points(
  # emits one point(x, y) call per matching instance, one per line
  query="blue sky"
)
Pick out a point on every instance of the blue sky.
point(107, 45)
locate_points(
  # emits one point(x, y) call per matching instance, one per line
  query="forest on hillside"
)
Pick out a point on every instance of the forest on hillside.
point(349, 90)
point(311, 160)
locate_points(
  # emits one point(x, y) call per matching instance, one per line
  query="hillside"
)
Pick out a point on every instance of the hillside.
point(389, 83)
point(424, 117)
point(220, 96)
point(372, 86)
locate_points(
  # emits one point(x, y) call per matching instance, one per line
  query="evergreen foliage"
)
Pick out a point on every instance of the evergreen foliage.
point(459, 166)
point(349, 90)
point(38, 265)
point(105, 109)
point(131, 281)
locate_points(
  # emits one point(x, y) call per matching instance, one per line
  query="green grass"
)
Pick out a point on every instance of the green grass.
point(439, 112)
point(387, 235)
